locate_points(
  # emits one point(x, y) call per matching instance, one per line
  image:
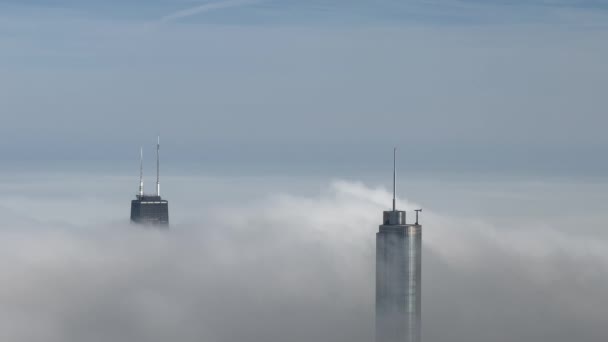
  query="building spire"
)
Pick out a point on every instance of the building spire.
point(158, 167)
point(394, 177)
point(141, 171)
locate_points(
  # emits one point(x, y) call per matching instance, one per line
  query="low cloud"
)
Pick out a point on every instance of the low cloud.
point(294, 268)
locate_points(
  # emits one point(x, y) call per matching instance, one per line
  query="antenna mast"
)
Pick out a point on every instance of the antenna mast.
point(394, 176)
point(417, 211)
point(141, 171)
point(158, 167)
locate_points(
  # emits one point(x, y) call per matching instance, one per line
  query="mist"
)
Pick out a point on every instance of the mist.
point(289, 265)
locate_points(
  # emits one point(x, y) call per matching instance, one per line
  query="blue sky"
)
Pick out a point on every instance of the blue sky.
point(457, 84)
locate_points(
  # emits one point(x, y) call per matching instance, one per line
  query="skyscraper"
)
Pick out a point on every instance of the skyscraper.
point(398, 276)
point(150, 209)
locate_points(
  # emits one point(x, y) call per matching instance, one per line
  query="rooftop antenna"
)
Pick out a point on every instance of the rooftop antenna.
point(417, 211)
point(394, 177)
point(158, 167)
point(141, 171)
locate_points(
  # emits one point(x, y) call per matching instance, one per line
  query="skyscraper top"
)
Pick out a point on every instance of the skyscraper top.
point(398, 274)
point(150, 209)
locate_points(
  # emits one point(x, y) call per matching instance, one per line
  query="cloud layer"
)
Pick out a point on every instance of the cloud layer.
point(293, 268)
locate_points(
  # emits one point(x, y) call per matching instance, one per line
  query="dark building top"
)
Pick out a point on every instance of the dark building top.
point(151, 210)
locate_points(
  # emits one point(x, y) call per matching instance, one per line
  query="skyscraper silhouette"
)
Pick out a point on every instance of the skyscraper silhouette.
point(150, 209)
point(398, 276)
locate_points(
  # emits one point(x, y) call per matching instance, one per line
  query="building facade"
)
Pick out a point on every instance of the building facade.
point(151, 210)
point(398, 279)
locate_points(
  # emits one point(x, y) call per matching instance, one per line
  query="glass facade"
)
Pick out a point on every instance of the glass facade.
point(398, 281)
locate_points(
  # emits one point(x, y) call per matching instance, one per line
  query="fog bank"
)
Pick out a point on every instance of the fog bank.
point(293, 267)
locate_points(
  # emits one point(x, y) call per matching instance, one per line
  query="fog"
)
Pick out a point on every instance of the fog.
point(286, 264)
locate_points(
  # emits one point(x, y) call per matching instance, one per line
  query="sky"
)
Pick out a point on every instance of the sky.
point(464, 85)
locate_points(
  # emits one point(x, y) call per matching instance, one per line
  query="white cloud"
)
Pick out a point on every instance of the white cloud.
point(290, 268)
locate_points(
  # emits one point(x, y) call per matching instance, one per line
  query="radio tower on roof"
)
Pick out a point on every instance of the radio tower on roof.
point(150, 209)
point(398, 275)
point(158, 167)
point(141, 172)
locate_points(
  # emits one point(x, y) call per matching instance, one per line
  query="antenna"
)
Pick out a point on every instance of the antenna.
point(158, 167)
point(141, 171)
point(417, 211)
point(394, 176)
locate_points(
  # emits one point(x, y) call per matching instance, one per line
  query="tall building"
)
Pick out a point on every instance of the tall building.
point(150, 209)
point(398, 276)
